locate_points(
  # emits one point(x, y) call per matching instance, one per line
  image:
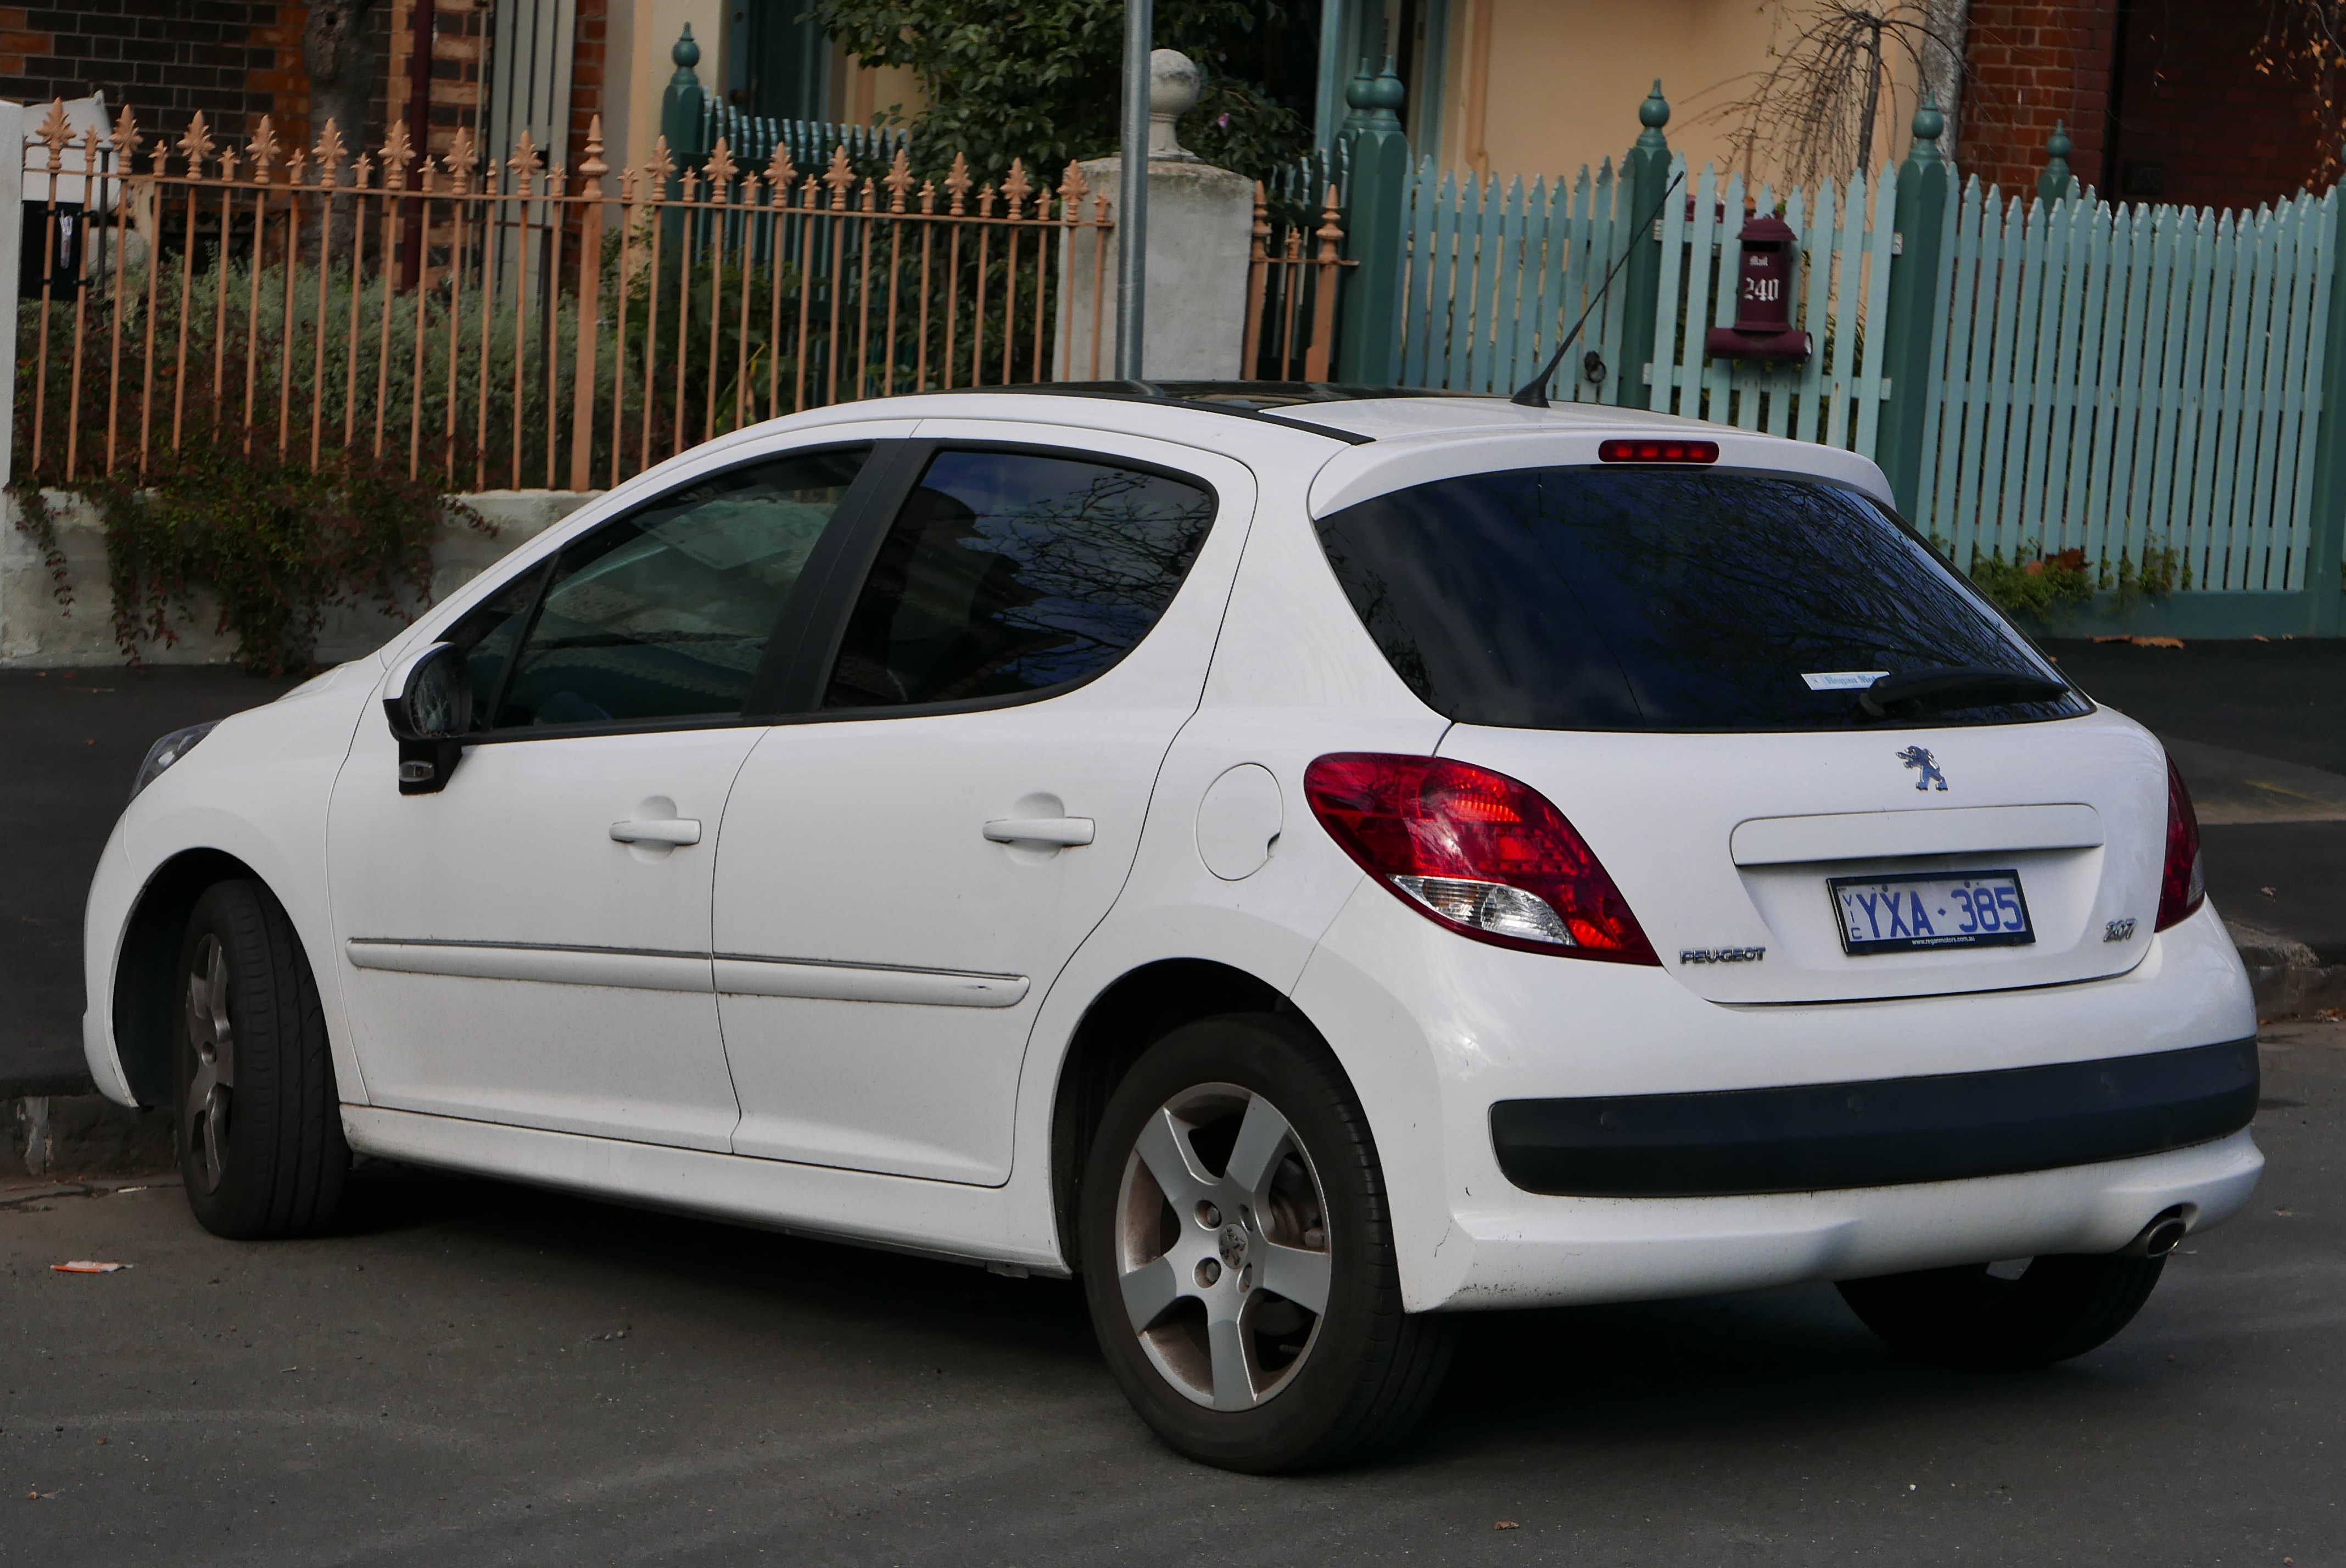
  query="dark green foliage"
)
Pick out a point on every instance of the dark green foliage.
point(274, 540)
point(1038, 80)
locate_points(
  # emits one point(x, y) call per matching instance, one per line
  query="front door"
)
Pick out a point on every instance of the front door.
point(904, 872)
point(531, 945)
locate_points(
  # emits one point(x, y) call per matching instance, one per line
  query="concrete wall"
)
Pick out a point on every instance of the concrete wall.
point(39, 633)
point(1200, 229)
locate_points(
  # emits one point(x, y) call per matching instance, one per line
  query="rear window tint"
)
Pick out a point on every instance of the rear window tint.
point(1633, 598)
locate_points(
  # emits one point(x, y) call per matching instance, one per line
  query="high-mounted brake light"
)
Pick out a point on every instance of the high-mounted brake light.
point(2182, 885)
point(1484, 854)
point(1658, 452)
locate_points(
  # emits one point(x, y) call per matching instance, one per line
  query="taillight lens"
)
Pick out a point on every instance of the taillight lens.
point(1477, 851)
point(2182, 888)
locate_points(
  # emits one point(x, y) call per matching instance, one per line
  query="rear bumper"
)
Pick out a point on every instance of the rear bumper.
point(1879, 1132)
point(1434, 1030)
point(1541, 1252)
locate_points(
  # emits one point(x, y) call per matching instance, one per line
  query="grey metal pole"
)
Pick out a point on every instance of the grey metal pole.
point(1132, 192)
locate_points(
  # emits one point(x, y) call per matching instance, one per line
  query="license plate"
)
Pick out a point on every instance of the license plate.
point(1901, 914)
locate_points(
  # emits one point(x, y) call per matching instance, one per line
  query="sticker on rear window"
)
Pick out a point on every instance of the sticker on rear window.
point(1842, 680)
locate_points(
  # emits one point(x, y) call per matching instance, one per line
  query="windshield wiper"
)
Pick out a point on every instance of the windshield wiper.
point(1912, 690)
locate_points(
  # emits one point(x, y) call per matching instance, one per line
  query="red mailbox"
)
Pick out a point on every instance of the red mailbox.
point(1763, 297)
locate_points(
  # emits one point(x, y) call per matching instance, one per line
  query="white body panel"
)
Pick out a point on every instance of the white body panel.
point(510, 961)
point(899, 992)
point(1668, 815)
point(861, 841)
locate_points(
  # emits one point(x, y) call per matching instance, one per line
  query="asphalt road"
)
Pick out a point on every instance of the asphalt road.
point(479, 1373)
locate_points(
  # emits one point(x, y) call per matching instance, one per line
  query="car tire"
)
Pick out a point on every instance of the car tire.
point(1233, 1158)
point(1975, 1319)
point(259, 1122)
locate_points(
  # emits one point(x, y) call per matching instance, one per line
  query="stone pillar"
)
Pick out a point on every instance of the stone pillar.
point(1200, 223)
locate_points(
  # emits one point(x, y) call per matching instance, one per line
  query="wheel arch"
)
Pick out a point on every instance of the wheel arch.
point(1138, 1009)
point(144, 964)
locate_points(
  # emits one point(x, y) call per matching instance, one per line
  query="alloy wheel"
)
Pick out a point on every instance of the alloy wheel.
point(204, 1111)
point(1224, 1276)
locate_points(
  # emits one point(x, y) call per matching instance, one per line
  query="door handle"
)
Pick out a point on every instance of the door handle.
point(1065, 832)
point(675, 831)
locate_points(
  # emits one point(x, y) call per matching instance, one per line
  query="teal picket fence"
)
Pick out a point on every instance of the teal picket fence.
point(2143, 386)
point(1494, 274)
point(1841, 286)
point(2129, 382)
point(751, 140)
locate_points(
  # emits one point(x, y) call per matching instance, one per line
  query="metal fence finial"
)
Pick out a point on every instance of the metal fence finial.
point(196, 145)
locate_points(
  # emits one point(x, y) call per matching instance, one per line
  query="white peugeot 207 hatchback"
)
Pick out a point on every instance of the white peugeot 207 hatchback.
point(1310, 862)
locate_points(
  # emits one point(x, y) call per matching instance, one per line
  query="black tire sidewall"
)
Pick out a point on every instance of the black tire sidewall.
point(1307, 1422)
point(284, 1159)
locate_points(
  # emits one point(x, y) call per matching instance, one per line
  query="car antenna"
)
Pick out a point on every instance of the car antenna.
point(1533, 393)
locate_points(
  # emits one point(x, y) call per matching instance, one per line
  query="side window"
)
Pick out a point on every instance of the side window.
point(1013, 572)
point(664, 613)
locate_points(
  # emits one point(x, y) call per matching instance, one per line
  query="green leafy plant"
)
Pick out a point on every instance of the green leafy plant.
point(2160, 572)
point(274, 541)
point(2046, 586)
point(1036, 80)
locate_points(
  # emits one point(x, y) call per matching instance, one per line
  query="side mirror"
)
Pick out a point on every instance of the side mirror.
point(429, 703)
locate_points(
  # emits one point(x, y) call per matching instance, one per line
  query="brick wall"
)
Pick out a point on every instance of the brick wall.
point(233, 59)
point(2191, 116)
point(588, 57)
point(459, 49)
point(2035, 64)
point(2197, 125)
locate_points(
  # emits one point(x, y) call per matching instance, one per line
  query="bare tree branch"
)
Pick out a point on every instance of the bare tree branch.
point(1814, 113)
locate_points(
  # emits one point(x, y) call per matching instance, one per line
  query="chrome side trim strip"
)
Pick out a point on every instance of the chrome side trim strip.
point(740, 974)
point(633, 969)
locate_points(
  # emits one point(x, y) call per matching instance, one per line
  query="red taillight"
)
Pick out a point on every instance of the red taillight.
point(1476, 851)
point(2181, 886)
point(1658, 452)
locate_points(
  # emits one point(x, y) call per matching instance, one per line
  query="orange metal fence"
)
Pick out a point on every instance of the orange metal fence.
point(505, 322)
point(1291, 284)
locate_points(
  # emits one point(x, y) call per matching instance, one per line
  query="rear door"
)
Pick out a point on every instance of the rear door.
point(905, 872)
point(1680, 659)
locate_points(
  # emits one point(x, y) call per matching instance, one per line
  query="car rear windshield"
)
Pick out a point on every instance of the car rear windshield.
point(1642, 598)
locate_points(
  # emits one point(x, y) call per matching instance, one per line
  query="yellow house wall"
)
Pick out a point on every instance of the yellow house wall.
point(641, 36)
point(1560, 80)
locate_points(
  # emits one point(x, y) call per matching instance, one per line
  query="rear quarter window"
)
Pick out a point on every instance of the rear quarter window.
point(1662, 599)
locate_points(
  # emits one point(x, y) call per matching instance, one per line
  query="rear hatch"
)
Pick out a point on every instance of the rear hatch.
point(1682, 659)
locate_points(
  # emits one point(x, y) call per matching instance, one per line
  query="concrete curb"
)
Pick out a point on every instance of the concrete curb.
point(54, 1135)
point(2290, 978)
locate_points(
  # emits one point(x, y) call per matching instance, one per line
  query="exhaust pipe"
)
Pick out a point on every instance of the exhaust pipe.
point(2162, 1236)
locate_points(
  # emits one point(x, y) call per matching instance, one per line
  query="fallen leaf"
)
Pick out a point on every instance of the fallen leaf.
point(85, 1266)
point(1505, 1524)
